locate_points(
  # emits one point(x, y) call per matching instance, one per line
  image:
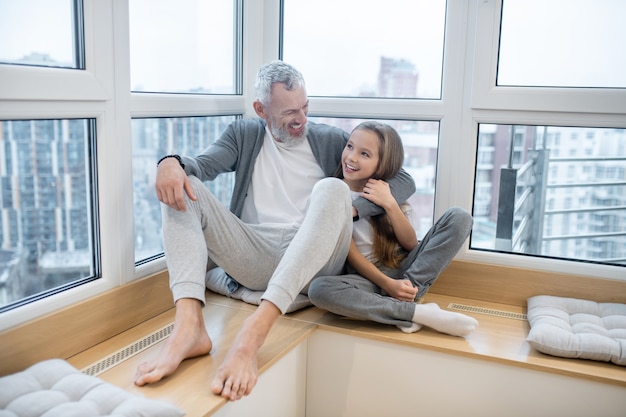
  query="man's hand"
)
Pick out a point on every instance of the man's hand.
point(171, 183)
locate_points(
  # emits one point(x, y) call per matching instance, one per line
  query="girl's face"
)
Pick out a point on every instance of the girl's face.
point(359, 158)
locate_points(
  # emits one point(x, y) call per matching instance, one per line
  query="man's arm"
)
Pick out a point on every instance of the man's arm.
point(172, 183)
point(229, 153)
point(219, 157)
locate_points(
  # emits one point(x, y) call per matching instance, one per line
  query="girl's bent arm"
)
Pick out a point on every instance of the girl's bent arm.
point(402, 227)
point(400, 289)
point(365, 268)
point(379, 192)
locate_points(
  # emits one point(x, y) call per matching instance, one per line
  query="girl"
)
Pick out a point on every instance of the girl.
point(388, 269)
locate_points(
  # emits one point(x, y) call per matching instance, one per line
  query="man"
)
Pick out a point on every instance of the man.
point(287, 223)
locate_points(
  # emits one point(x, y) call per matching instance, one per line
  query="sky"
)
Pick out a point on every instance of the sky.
point(183, 42)
point(579, 40)
point(28, 26)
point(344, 47)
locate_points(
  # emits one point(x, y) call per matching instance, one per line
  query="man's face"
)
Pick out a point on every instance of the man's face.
point(286, 116)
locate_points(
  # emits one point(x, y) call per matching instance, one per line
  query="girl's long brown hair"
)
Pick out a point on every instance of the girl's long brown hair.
point(391, 158)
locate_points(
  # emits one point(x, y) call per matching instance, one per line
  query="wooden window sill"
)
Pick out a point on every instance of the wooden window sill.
point(498, 339)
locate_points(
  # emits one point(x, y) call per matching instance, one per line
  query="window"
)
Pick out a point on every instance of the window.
point(197, 57)
point(521, 221)
point(382, 54)
point(153, 138)
point(356, 48)
point(42, 33)
point(184, 46)
point(123, 82)
point(562, 43)
point(48, 210)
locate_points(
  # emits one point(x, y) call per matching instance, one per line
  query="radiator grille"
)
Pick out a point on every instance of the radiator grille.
point(488, 311)
point(128, 351)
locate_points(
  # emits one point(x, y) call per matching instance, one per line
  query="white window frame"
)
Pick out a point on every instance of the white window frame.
point(95, 93)
point(488, 103)
point(469, 97)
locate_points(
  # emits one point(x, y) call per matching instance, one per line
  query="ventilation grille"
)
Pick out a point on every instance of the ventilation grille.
point(130, 350)
point(488, 311)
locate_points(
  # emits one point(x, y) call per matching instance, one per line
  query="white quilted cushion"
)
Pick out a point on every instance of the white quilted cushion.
point(574, 328)
point(54, 388)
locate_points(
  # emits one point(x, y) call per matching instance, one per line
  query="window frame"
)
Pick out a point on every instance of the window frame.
point(492, 104)
point(171, 105)
point(469, 96)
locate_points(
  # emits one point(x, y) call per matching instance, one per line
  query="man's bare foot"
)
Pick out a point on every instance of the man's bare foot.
point(188, 339)
point(238, 374)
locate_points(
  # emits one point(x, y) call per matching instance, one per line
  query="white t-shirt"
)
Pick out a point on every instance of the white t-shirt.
point(282, 181)
point(363, 232)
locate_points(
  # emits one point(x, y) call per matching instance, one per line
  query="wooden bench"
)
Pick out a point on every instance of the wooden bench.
point(499, 340)
point(315, 363)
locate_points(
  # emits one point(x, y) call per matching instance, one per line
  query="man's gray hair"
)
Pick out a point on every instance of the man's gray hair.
point(276, 72)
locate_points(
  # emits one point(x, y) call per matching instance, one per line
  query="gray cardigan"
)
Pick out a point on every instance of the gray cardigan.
point(238, 147)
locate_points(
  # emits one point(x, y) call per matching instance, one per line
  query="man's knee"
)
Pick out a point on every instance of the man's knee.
point(201, 191)
point(330, 198)
point(196, 184)
point(331, 186)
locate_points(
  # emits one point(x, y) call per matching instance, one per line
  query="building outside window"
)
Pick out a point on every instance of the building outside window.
point(48, 211)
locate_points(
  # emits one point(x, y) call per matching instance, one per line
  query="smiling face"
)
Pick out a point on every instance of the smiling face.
point(286, 114)
point(359, 159)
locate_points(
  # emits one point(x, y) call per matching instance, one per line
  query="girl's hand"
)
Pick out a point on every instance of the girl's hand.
point(401, 289)
point(378, 192)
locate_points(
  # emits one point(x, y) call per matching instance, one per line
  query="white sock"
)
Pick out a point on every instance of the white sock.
point(411, 329)
point(455, 324)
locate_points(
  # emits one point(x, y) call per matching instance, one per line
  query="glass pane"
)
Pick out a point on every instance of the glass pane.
point(47, 207)
point(421, 142)
point(387, 49)
point(551, 191)
point(152, 139)
point(41, 32)
point(563, 43)
point(183, 46)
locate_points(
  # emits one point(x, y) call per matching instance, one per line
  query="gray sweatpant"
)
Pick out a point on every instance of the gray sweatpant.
point(355, 296)
point(279, 259)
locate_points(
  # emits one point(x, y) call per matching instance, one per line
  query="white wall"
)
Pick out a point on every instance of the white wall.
point(355, 377)
point(280, 391)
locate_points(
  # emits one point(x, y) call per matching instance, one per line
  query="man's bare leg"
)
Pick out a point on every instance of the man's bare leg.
point(238, 373)
point(188, 339)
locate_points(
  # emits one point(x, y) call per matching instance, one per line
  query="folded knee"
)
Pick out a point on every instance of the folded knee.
point(331, 185)
point(195, 182)
point(460, 216)
point(332, 194)
point(200, 189)
point(317, 289)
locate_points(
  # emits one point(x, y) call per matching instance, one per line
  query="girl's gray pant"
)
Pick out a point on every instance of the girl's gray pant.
point(278, 259)
point(355, 296)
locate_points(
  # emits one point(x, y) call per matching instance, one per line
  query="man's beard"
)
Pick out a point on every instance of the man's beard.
point(282, 135)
